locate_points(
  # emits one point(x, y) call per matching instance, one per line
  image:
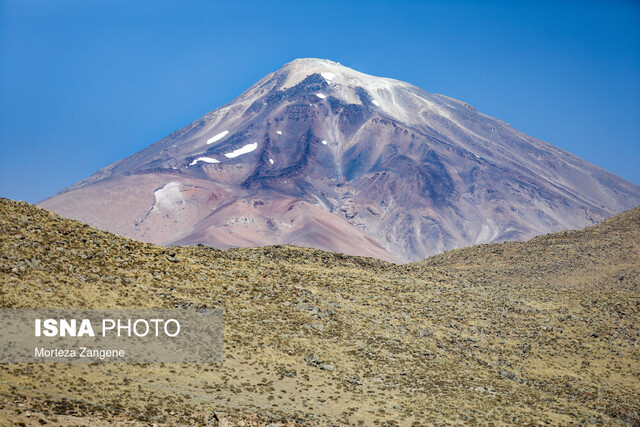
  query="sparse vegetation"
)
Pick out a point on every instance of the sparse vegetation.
point(539, 332)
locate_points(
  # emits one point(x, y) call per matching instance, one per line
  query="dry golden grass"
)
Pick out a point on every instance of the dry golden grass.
point(517, 333)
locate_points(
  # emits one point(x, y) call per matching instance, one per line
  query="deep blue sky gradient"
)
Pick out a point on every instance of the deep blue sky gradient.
point(86, 83)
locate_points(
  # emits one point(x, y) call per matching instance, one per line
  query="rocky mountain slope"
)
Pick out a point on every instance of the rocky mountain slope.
point(319, 155)
point(544, 331)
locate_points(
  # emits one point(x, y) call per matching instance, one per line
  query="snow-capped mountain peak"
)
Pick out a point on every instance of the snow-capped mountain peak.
point(318, 154)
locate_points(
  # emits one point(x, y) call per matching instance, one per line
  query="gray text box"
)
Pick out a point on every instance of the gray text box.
point(111, 335)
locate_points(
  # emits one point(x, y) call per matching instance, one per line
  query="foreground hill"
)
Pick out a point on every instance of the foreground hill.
point(534, 332)
point(605, 256)
point(319, 155)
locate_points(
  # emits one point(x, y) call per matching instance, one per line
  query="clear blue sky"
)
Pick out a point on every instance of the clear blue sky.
point(85, 83)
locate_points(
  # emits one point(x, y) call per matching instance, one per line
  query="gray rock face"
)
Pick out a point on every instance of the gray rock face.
point(317, 154)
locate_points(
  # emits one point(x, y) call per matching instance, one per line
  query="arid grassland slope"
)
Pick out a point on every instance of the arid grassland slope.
point(534, 332)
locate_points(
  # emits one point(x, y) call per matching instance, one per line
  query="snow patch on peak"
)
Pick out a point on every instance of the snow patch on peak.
point(205, 160)
point(328, 75)
point(271, 161)
point(168, 195)
point(320, 95)
point(279, 132)
point(324, 142)
point(218, 137)
point(334, 72)
point(376, 103)
point(243, 150)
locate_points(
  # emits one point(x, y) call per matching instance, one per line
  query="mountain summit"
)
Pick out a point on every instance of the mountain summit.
point(317, 154)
